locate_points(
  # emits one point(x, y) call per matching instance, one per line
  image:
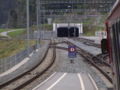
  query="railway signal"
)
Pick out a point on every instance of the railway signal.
point(72, 51)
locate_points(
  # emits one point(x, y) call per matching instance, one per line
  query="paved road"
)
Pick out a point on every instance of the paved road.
point(68, 81)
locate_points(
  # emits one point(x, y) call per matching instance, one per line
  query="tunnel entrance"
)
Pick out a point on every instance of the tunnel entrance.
point(73, 32)
point(67, 32)
point(62, 32)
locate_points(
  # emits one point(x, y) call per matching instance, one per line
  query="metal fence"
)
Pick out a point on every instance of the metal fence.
point(11, 61)
point(43, 34)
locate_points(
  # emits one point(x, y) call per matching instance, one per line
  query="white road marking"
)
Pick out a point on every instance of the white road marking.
point(44, 81)
point(81, 81)
point(96, 88)
point(57, 81)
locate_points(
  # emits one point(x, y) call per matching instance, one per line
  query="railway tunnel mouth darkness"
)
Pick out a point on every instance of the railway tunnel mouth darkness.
point(67, 32)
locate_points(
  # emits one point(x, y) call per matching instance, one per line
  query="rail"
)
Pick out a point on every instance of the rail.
point(94, 60)
point(35, 69)
point(91, 58)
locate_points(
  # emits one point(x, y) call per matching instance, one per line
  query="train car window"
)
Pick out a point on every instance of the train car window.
point(119, 30)
point(111, 43)
point(114, 41)
point(119, 43)
point(118, 40)
point(116, 47)
point(118, 50)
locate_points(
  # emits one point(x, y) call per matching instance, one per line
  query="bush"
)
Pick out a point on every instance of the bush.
point(90, 30)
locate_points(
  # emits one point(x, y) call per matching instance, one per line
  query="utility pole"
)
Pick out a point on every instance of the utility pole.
point(37, 13)
point(69, 8)
point(72, 16)
point(28, 26)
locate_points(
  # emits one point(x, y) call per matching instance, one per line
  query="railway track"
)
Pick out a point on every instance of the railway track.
point(88, 42)
point(100, 57)
point(26, 78)
point(103, 59)
point(97, 62)
point(30, 76)
point(92, 59)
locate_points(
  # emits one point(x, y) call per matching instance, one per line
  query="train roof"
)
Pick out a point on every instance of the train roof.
point(116, 5)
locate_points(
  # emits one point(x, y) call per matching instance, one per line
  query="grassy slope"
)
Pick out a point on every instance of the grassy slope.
point(11, 47)
point(90, 31)
point(8, 48)
point(17, 32)
point(2, 30)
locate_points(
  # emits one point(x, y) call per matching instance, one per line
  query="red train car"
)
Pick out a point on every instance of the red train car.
point(113, 38)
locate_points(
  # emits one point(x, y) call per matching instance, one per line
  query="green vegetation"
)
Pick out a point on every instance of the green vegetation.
point(90, 30)
point(18, 32)
point(9, 29)
point(16, 29)
point(2, 30)
point(17, 10)
point(91, 25)
point(11, 47)
point(47, 27)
